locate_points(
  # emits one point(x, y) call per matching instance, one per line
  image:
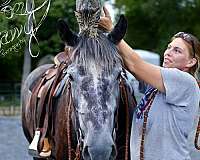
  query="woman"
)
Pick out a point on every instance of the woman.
point(165, 116)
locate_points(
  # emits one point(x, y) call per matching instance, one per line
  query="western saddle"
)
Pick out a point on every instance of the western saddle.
point(49, 86)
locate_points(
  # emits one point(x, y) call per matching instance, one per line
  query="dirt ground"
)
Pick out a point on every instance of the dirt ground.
point(13, 145)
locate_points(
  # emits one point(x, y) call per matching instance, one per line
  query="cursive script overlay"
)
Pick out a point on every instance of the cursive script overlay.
point(30, 28)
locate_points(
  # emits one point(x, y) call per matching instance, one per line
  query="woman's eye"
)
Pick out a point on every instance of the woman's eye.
point(71, 78)
point(177, 51)
point(118, 76)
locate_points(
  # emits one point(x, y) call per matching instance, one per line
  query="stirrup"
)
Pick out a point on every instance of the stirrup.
point(45, 154)
point(32, 149)
point(46, 150)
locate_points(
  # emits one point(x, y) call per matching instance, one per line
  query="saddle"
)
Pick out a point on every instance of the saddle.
point(62, 57)
point(47, 88)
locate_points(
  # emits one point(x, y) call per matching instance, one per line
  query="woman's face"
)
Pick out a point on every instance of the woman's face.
point(177, 55)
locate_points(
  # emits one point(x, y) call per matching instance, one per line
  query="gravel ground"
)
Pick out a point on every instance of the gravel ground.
point(13, 145)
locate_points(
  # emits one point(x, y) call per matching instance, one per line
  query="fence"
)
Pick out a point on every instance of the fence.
point(10, 98)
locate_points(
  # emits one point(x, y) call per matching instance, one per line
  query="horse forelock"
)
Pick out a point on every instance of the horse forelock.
point(99, 51)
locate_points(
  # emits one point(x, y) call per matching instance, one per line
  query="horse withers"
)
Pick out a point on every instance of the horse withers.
point(89, 115)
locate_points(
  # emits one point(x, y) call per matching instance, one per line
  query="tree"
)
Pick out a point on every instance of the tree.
point(27, 56)
point(49, 41)
point(151, 23)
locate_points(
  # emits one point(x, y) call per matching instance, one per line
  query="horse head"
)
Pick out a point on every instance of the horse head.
point(94, 74)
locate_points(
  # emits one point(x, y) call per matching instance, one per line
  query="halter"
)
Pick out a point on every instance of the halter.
point(79, 132)
point(77, 127)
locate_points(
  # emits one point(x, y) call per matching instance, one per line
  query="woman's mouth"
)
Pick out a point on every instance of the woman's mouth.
point(167, 60)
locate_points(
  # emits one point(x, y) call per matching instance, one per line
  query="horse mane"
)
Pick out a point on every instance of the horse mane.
point(98, 50)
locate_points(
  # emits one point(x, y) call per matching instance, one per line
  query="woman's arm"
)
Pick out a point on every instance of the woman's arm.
point(144, 71)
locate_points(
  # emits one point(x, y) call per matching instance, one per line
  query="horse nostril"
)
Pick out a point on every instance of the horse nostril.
point(99, 153)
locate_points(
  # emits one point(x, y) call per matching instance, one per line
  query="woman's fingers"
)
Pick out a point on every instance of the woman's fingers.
point(106, 12)
point(106, 23)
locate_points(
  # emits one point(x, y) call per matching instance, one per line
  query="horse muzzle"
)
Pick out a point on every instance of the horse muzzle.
point(99, 153)
point(99, 147)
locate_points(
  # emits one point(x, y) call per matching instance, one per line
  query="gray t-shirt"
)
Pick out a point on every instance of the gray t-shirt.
point(170, 119)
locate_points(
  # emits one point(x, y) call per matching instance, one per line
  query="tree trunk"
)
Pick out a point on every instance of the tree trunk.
point(27, 56)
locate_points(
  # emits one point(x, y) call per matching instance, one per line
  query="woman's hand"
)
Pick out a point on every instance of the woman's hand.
point(105, 22)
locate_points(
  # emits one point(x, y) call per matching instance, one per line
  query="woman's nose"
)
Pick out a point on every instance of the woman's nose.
point(168, 52)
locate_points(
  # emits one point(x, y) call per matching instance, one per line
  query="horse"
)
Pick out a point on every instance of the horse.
point(92, 106)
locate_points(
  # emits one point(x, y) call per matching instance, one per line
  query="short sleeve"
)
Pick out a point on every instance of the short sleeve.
point(180, 87)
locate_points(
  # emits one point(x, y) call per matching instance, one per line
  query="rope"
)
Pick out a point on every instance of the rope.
point(197, 136)
point(69, 127)
point(149, 103)
point(77, 153)
point(197, 131)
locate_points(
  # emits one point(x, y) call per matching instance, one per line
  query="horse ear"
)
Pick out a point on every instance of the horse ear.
point(68, 36)
point(119, 31)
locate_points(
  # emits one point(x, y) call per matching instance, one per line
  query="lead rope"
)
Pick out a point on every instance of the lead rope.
point(197, 136)
point(124, 94)
point(69, 128)
point(148, 106)
point(197, 132)
point(78, 147)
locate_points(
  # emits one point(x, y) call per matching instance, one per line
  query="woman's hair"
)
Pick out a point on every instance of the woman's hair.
point(194, 50)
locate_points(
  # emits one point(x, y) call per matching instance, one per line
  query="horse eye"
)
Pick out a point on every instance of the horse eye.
point(71, 77)
point(118, 76)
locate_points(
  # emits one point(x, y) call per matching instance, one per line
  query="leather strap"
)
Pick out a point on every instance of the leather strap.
point(41, 103)
point(126, 102)
point(33, 102)
point(125, 99)
point(49, 105)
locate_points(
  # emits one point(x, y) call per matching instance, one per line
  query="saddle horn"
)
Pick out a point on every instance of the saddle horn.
point(68, 36)
point(119, 31)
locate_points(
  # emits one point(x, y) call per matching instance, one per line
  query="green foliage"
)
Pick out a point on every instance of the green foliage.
point(11, 56)
point(10, 100)
point(49, 40)
point(151, 23)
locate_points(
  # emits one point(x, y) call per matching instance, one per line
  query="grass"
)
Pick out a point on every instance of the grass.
point(7, 101)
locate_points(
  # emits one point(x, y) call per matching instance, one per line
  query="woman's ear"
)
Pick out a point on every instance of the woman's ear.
point(191, 62)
